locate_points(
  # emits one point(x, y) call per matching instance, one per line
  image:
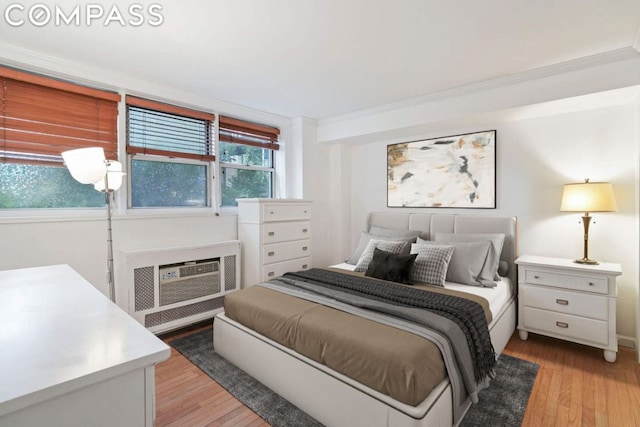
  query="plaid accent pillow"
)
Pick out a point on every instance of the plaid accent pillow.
point(431, 264)
point(385, 245)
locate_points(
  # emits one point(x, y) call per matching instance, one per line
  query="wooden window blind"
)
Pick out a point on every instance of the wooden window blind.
point(40, 117)
point(168, 130)
point(247, 133)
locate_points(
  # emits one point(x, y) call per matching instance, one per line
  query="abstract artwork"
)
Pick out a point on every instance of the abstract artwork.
point(456, 171)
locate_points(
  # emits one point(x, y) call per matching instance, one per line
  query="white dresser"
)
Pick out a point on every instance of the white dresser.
point(569, 301)
point(70, 357)
point(275, 236)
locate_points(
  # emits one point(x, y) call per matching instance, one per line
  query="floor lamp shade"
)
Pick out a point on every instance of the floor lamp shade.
point(588, 197)
point(86, 165)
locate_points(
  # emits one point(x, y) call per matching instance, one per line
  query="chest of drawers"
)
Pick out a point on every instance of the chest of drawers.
point(569, 301)
point(275, 237)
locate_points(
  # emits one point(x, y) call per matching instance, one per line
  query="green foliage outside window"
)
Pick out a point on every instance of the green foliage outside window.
point(168, 184)
point(36, 186)
point(255, 179)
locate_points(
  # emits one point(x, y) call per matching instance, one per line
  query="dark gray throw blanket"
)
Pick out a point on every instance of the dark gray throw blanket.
point(467, 314)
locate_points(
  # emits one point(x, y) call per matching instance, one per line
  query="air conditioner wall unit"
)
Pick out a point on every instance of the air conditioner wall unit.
point(169, 288)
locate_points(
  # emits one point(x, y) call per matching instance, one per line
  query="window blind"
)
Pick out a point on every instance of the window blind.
point(40, 117)
point(247, 133)
point(168, 130)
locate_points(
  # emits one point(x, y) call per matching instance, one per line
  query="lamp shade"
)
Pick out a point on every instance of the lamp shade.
point(114, 175)
point(588, 197)
point(86, 165)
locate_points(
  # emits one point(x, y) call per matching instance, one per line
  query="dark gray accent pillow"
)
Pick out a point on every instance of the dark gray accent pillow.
point(366, 237)
point(467, 262)
point(389, 266)
point(431, 264)
point(490, 269)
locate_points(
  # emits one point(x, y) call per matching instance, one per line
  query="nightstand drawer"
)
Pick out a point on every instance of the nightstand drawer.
point(582, 283)
point(285, 251)
point(285, 231)
point(286, 212)
point(566, 326)
point(586, 305)
point(276, 270)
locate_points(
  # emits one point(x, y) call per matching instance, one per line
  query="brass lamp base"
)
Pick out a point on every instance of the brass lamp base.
point(586, 261)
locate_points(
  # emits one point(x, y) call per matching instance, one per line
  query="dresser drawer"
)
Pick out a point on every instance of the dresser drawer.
point(582, 283)
point(281, 232)
point(272, 271)
point(285, 251)
point(593, 306)
point(286, 212)
point(565, 326)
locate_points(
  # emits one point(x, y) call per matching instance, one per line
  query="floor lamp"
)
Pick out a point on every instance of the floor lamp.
point(89, 166)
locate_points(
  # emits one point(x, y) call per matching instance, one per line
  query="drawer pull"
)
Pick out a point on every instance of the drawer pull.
point(304, 248)
point(271, 233)
point(536, 277)
point(271, 212)
point(562, 324)
point(562, 302)
point(591, 284)
point(271, 253)
point(305, 211)
point(304, 230)
point(271, 274)
point(304, 265)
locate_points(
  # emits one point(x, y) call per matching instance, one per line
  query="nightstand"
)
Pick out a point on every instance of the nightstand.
point(569, 301)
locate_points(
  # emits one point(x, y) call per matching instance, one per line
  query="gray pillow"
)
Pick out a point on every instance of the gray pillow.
point(490, 269)
point(395, 247)
point(467, 262)
point(431, 264)
point(366, 237)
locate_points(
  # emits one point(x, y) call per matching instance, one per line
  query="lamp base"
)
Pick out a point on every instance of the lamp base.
point(585, 261)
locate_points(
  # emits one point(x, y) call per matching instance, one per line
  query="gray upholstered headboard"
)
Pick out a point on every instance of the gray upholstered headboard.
point(429, 224)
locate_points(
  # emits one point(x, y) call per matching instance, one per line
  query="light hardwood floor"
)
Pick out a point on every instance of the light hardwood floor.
point(574, 387)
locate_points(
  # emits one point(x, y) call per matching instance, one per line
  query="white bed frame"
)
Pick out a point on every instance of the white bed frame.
point(336, 400)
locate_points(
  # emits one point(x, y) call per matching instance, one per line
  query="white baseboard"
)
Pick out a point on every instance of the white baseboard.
point(626, 341)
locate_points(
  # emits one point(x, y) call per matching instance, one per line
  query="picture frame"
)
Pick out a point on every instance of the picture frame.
point(456, 171)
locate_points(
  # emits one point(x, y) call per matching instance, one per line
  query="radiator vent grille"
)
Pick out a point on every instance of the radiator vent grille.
point(230, 272)
point(143, 288)
point(166, 316)
point(186, 289)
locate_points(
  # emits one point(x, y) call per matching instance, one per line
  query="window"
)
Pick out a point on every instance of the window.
point(41, 117)
point(170, 151)
point(246, 160)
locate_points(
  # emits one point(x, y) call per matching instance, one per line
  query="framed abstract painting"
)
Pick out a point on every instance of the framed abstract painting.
point(457, 171)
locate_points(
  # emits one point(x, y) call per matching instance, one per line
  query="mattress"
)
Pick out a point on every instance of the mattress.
point(497, 297)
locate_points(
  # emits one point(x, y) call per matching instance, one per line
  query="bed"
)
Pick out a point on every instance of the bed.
point(335, 398)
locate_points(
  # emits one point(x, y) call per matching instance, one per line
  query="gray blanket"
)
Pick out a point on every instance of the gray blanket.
point(441, 330)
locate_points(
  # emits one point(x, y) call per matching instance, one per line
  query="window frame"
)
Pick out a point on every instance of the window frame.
point(207, 159)
point(222, 165)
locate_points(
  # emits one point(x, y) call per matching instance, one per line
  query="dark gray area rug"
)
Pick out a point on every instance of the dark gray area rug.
point(502, 404)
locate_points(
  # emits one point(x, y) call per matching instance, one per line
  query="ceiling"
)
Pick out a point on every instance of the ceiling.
point(325, 58)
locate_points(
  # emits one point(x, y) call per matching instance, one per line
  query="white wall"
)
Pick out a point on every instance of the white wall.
point(535, 158)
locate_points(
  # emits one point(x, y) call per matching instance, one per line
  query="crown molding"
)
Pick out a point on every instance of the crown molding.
point(499, 82)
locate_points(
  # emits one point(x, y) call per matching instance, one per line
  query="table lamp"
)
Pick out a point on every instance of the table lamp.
point(588, 197)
